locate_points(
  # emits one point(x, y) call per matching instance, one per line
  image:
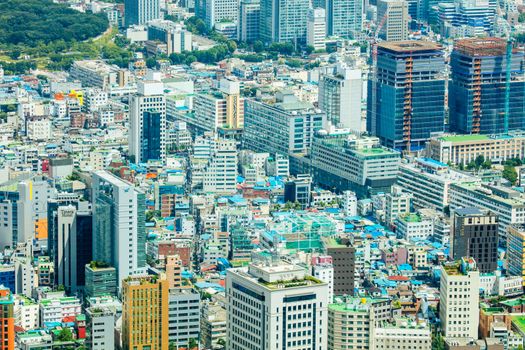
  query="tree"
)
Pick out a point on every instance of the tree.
point(192, 344)
point(479, 160)
point(309, 49)
point(258, 46)
point(510, 174)
point(65, 335)
point(14, 54)
point(151, 62)
point(521, 18)
point(232, 46)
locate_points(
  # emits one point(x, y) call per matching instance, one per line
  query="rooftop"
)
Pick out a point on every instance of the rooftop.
point(409, 45)
point(464, 138)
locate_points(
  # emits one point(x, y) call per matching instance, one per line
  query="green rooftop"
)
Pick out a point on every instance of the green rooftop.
point(464, 138)
point(411, 218)
point(519, 322)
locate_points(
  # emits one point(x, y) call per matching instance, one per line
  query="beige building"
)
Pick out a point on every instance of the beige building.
point(462, 149)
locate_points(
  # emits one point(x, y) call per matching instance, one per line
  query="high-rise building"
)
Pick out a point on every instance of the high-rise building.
point(474, 233)
point(340, 94)
point(184, 312)
point(406, 100)
point(516, 251)
point(283, 21)
point(147, 122)
point(459, 299)
point(32, 210)
point(119, 236)
point(9, 214)
point(477, 89)
point(213, 325)
point(249, 15)
point(221, 10)
point(275, 306)
point(101, 321)
point(343, 261)
point(220, 172)
point(101, 280)
point(323, 269)
point(73, 245)
point(316, 28)
point(174, 271)
point(344, 18)
point(141, 11)
point(7, 320)
point(395, 18)
point(145, 313)
point(286, 126)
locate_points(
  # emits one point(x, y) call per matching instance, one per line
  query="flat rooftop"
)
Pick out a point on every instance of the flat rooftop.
point(409, 45)
point(481, 46)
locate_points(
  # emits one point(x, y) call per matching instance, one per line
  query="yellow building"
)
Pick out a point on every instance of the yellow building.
point(516, 251)
point(145, 313)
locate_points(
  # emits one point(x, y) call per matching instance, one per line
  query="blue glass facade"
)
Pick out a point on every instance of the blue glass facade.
point(7, 278)
point(477, 87)
point(407, 102)
point(151, 130)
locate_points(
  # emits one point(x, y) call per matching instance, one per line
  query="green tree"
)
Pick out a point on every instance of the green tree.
point(510, 174)
point(151, 62)
point(258, 46)
point(192, 344)
point(309, 49)
point(65, 335)
point(232, 46)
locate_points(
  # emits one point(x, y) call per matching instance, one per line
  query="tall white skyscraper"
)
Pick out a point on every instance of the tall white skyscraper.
point(276, 306)
point(340, 97)
point(220, 174)
point(119, 234)
point(459, 299)
point(147, 122)
point(316, 28)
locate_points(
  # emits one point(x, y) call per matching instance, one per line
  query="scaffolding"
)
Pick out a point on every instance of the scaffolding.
point(476, 101)
point(407, 104)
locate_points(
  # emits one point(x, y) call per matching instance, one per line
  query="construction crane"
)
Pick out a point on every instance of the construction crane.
point(373, 46)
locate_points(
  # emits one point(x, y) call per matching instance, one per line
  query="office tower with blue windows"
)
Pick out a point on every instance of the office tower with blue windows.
point(283, 20)
point(151, 145)
point(477, 89)
point(406, 98)
point(140, 11)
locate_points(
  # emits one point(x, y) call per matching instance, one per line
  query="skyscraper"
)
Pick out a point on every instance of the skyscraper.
point(340, 94)
point(406, 101)
point(221, 10)
point(119, 236)
point(147, 119)
point(220, 174)
point(475, 234)
point(478, 84)
point(516, 251)
point(140, 11)
point(316, 28)
point(395, 18)
point(283, 20)
point(249, 15)
point(275, 306)
point(344, 18)
point(145, 313)
point(7, 320)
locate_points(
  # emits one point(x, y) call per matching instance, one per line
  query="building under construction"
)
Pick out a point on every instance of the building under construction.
point(406, 102)
point(478, 87)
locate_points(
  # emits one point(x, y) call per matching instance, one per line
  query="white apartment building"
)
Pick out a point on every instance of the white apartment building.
point(149, 97)
point(349, 203)
point(220, 174)
point(403, 334)
point(54, 310)
point(397, 203)
point(26, 312)
point(101, 322)
point(276, 306)
point(429, 182)
point(95, 73)
point(459, 299)
point(323, 269)
point(413, 227)
point(39, 128)
point(316, 28)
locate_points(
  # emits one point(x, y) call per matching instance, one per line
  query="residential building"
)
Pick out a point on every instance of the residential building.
point(316, 28)
point(183, 316)
point(340, 94)
point(298, 190)
point(323, 269)
point(147, 118)
point(56, 307)
point(7, 320)
point(213, 325)
point(95, 73)
point(145, 295)
point(406, 98)
point(351, 321)
point(220, 172)
point(140, 12)
point(395, 18)
point(119, 237)
point(516, 251)
point(343, 262)
point(397, 203)
point(249, 16)
point(275, 306)
point(412, 227)
point(429, 182)
point(286, 126)
point(476, 104)
point(26, 313)
point(474, 233)
point(344, 161)
point(283, 21)
point(459, 299)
